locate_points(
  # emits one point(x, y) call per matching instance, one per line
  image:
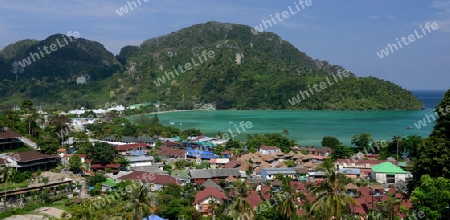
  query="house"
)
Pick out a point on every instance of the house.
point(350, 163)
point(253, 199)
point(231, 164)
point(140, 161)
point(156, 181)
point(200, 176)
point(202, 154)
point(270, 173)
point(9, 139)
point(351, 173)
point(387, 172)
point(263, 149)
point(30, 160)
point(170, 152)
point(130, 140)
point(226, 154)
point(204, 198)
point(130, 149)
point(218, 162)
point(324, 151)
point(115, 168)
point(182, 176)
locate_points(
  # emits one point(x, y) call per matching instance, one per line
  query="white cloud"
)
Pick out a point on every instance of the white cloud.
point(443, 15)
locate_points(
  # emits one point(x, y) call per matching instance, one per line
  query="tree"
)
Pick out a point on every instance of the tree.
point(48, 145)
point(233, 144)
point(434, 152)
point(272, 139)
point(101, 153)
point(285, 131)
point(75, 163)
point(140, 202)
point(331, 196)
point(432, 196)
point(342, 152)
point(362, 141)
point(192, 132)
point(118, 135)
point(397, 139)
point(29, 113)
point(7, 173)
point(287, 207)
point(387, 207)
point(330, 141)
point(219, 149)
point(290, 163)
point(99, 177)
point(240, 208)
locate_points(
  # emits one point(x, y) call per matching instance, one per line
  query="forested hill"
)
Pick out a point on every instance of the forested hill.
point(226, 64)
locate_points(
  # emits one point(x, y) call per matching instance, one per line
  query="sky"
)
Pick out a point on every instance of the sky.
point(347, 33)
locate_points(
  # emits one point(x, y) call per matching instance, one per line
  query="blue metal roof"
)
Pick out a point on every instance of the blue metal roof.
point(351, 171)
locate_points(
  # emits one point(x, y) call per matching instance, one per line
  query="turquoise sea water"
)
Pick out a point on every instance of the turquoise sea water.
point(309, 127)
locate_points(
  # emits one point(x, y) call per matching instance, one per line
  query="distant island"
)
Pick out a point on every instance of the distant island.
point(220, 63)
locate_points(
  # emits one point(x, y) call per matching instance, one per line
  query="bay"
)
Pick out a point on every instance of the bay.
point(309, 127)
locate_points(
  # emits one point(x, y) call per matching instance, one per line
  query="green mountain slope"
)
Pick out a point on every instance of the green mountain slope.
point(230, 66)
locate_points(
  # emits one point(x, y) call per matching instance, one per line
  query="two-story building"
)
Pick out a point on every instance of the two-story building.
point(263, 149)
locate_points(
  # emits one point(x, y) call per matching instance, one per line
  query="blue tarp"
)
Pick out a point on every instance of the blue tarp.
point(153, 217)
point(203, 154)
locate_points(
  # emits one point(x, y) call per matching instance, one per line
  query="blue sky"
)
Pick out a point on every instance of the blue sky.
point(347, 33)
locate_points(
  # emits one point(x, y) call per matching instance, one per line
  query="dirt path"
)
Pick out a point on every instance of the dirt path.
point(44, 210)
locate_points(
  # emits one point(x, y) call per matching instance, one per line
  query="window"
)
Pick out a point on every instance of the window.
point(390, 178)
point(200, 207)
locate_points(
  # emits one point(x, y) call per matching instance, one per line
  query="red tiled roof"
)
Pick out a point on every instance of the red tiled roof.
point(171, 152)
point(126, 147)
point(264, 147)
point(265, 192)
point(150, 177)
point(359, 162)
point(81, 155)
point(8, 134)
point(227, 152)
point(171, 144)
point(115, 166)
point(298, 186)
point(253, 199)
point(33, 155)
point(207, 192)
point(231, 164)
point(61, 150)
point(99, 166)
point(316, 156)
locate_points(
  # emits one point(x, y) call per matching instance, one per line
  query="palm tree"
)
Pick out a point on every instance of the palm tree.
point(397, 138)
point(285, 131)
point(240, 208)
point(287, 208)
point(139, 202)
point(118, 136)
point(7, 173)
point(331, 196)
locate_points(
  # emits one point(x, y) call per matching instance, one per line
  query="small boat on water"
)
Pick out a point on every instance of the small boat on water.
point(230, 122)
point(172, 123)
point(409, 127)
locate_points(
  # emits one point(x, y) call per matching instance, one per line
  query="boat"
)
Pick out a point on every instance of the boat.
point(409, 127)
point(172, 123)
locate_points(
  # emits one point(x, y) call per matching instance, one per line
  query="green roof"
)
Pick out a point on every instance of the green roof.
point(109, 183)
point(206, 144)
point(388, 168)
point(180, 174)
